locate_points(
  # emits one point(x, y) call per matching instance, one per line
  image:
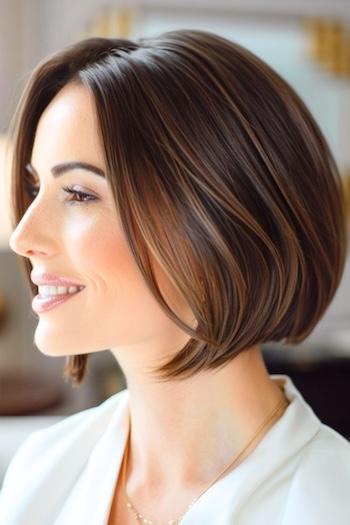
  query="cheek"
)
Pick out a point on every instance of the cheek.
point(96, 245)
point(98, 249)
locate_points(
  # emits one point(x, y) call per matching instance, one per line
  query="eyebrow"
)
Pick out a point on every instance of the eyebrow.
point(60, 169)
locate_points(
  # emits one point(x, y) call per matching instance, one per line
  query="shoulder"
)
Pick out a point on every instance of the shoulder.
point(73, 435)
point(320, 487)
point(50, 463)
point(326, 458)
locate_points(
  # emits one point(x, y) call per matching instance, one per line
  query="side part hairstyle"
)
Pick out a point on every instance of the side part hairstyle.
point(219, 172)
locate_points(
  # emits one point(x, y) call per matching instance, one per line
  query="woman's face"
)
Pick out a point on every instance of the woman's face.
point(84, 242)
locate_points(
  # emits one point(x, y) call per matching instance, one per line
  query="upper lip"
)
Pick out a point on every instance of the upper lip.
point(42, 278)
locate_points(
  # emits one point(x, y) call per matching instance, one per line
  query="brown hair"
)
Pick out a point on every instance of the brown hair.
point(219, 171)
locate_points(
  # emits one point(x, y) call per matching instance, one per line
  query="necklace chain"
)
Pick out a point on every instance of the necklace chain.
point(283, 403)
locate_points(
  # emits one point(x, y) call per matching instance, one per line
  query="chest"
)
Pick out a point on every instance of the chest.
point(120, 514)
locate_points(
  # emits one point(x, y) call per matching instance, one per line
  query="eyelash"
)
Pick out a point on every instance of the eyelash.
point(68, 189)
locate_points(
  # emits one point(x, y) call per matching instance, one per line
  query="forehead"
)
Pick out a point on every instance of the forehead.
point(68, 128)
point(72, 105)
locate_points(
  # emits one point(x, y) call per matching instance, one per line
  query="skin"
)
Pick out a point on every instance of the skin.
point(176, 426)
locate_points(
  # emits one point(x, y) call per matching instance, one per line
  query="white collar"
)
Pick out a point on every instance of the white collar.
point(297, 426)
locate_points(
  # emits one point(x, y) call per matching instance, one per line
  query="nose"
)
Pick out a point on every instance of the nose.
point(29, 237)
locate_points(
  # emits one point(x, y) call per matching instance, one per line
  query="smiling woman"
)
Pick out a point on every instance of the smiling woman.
point(213, 221)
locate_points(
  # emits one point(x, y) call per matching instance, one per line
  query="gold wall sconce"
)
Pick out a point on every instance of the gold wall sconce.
point(346, 186)
point(112, 22)
point(329, 44)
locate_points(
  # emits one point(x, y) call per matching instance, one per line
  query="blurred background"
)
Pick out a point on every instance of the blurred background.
point(308, 43)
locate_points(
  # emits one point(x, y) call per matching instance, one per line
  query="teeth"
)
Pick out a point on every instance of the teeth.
point(46, 291)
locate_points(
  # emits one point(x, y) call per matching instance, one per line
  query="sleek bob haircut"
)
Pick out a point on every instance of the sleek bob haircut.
point(219, 171)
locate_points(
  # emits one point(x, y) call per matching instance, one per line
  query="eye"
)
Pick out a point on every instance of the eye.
point(30, 190)
point(78, 197)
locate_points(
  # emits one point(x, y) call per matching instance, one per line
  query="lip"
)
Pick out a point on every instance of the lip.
point(42, 278)
point(43, 304)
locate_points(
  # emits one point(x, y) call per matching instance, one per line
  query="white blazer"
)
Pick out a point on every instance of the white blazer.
point(65, 474)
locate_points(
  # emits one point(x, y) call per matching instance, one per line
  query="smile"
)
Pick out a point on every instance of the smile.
point(48, 299)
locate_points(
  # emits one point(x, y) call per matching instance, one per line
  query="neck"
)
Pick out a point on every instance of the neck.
point(176, 426)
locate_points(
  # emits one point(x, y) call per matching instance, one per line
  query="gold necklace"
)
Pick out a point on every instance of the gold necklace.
point(282, 404)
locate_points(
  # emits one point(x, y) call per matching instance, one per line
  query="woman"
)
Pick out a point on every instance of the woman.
point(182, 192)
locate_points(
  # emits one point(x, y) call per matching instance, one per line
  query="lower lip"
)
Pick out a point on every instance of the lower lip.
point(44, 304)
